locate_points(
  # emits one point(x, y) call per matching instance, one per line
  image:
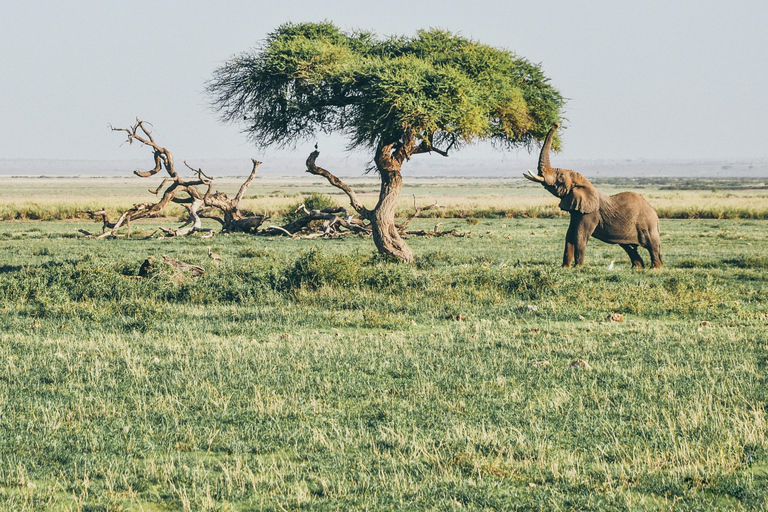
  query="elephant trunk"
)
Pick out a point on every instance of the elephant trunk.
point(544, 156)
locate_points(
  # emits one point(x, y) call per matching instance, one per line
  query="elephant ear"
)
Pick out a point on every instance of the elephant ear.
point(582, 197)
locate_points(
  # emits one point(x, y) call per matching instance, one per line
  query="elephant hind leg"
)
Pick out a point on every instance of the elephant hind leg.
point(652, 243)
point(631, 250)
point(654, 247)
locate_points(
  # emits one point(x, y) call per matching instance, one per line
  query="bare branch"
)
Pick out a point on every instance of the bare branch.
point(426, 147)
point(247, 182)
point(157, 191)
point(336, 182)
point(233, 219)
point(162, 157)
point(278, 228)
point(200, 174)
point(416, 212)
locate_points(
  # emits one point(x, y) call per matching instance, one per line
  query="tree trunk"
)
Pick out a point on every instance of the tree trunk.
point(385, 233)
point(389, 160)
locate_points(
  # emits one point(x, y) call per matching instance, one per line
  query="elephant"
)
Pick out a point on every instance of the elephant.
point(625, 218)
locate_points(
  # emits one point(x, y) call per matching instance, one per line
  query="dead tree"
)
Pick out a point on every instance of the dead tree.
point(333, 222)
point(416, 211)
point(177, 190)
point(232, 218)
point(196, 195)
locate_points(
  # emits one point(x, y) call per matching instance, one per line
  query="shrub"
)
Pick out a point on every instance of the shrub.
point(314, 201)
point(524, 283)
point(433, 259)
point(759, 262)
point(254, 252)
point(313, 270)
point(527, 283)
point(680, 284)
point(698, 263)
point(394, 277)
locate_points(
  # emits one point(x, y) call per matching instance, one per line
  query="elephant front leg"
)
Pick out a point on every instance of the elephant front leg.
point(571, 242)
point(579, 231)
point(580, 249)
point(568, 254)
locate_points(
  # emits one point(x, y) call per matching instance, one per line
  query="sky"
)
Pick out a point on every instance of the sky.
point(652, 79)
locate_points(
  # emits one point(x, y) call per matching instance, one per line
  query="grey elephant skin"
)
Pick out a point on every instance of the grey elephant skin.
point(625, 218)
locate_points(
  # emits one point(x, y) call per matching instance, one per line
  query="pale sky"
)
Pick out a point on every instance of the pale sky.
point(653, 79)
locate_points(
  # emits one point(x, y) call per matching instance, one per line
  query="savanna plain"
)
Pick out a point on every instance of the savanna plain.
point(316, 375)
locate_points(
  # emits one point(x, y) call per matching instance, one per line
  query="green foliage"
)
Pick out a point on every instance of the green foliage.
point(442, 88)
point(382, 274)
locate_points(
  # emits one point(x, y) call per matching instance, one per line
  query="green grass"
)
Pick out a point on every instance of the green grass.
point(313, 374)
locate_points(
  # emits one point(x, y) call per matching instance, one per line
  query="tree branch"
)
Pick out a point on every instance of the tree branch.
point(427, 147)
point(416, 212)
point(336, 182)
point(200, 174)
point(163, 157)
point(172, 186)
point(248, 181)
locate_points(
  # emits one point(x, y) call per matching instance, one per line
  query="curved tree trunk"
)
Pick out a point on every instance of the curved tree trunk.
point(385, 233)
point(389, 160)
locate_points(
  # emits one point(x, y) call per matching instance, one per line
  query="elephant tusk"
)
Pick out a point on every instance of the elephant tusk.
point(533, 177)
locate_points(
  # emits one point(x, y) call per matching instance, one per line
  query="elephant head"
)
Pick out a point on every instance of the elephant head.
point(576, 193)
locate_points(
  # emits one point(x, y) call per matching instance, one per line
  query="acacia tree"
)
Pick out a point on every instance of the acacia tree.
point(397, 97)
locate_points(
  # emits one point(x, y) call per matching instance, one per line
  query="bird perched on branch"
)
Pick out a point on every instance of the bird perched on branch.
point(213, 255)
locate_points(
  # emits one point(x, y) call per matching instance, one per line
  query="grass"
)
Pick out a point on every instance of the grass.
point(312, 374)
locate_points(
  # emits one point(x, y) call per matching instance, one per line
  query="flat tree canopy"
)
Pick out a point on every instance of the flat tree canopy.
point(397, 96)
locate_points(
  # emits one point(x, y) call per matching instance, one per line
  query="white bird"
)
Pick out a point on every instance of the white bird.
point(213, 255)
point(610, 266)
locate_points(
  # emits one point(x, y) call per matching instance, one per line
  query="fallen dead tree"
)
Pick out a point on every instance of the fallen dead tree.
point(196, 195)
point(334, 221)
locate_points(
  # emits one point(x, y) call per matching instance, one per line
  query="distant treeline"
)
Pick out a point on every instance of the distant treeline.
point(703, 184)
point(544, 212)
